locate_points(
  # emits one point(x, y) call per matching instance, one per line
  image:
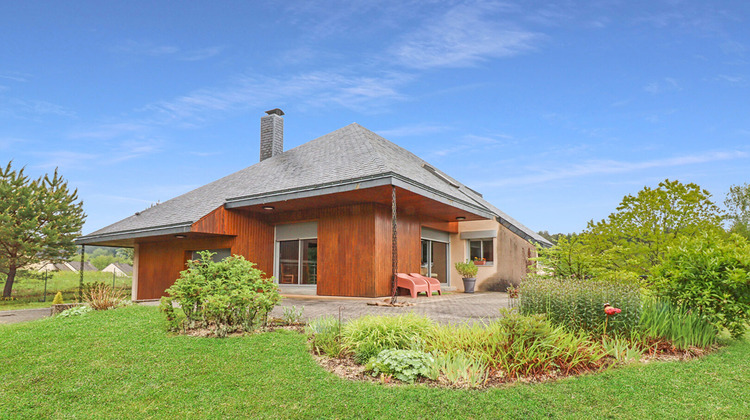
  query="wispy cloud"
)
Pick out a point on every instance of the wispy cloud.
point(7, 142)
point(732, 80)
point(31, 108)
point(314, 89)
point(149, 49)
point(14, 77)
point(668, 84)
point(606, 167)
point(414, 130)
point(462, 37)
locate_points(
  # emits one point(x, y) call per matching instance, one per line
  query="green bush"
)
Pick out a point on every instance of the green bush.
point(579, 304)
point(324, 335)
point(404, 365)
point(682, 327)
point(226, 296)
point(519, 345)
point(712, 276)
point(367, 336)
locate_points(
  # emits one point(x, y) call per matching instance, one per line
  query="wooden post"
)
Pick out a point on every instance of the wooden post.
point(394, 245)
point(80, 281)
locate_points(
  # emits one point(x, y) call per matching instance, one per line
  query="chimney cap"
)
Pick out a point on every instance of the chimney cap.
point(276, 111)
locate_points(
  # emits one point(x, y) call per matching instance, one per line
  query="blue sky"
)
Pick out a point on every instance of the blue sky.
point(553, 110)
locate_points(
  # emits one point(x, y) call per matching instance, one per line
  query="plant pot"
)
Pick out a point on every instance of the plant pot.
point(469, 284)
point(479, 262)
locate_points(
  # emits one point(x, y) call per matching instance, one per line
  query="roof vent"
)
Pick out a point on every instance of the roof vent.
point(271, 134)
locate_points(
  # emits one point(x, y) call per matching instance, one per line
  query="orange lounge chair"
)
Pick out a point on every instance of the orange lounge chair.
point(413, 284)
point(434, 283)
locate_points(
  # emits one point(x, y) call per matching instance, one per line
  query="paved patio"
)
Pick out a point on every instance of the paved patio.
point(449, 308)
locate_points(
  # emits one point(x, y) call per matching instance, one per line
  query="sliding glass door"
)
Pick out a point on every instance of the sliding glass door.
point(435, 260)
point(298, 261)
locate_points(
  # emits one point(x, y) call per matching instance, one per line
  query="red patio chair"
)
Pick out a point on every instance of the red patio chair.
point(433, 283)
point(413, 284)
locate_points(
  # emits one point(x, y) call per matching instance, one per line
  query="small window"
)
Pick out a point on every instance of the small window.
point(481, 250)
point(219, 254)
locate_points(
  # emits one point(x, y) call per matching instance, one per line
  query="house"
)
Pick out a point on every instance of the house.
point(120, 269)
point(318, 218)
point(65, 266)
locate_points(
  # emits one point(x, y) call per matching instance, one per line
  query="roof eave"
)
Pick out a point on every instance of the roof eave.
point(356, 184)
point(134, 234)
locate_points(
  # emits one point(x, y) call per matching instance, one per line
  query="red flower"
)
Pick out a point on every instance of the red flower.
point(611, 310)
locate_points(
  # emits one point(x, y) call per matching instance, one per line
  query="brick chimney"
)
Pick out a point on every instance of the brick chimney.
point(271, 134)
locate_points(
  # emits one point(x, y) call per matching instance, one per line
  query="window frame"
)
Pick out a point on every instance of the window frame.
point(481, 241)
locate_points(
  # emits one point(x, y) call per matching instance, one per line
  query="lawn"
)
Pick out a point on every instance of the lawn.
point(122, 363)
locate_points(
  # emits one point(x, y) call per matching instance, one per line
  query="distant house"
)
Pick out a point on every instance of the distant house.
point(319, 216)
point(120, 269)
point(66, 266)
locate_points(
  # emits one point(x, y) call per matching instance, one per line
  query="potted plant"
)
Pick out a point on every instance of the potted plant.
point(468, 271)
point(479, 261)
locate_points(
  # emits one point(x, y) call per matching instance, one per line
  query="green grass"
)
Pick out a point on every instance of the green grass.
point(27, 289)
point(122, 363)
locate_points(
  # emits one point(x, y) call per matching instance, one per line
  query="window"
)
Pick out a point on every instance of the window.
point(297, 253)
point(219, 254)
point(481, 249)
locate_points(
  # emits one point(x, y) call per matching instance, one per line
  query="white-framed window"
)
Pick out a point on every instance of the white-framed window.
point(296, 253)
point(482, 250)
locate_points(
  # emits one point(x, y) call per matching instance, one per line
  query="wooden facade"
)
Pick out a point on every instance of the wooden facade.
point(354, 246)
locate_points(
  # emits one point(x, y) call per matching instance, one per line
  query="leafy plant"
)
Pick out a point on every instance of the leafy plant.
point(683, 327)
point(622, 349)
point(226, 296)
point(459, 370)
point(405, 365)
point(58, 300)
point(75, 311)
point(101, 296)
point(292, 315)
point(367, 336)
point(579, 304)
point(467, 269)
point(324, 335)
point(709, 275)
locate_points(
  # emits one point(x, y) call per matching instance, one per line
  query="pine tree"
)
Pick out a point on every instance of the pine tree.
point(38, 221)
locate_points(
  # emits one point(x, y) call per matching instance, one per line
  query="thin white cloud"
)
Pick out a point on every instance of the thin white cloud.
point(31, 108)
point(606, 167)
point(149, 49)
point(668, 84)
point(462, 37)
point(732, 80)
point(413, 130)
point(323, 88)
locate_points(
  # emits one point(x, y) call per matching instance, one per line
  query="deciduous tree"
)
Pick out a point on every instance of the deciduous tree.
point(738, 209)
point(38, 221)
point(636, 236)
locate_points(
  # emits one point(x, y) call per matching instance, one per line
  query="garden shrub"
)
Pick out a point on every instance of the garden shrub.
point(660, 319)
point(519, 345)
point(367, 336)
point(324, 335)
point(579, 304)
point(712, 276)
point(404, 365)
point(58, 300)
point(100, 296)
point(224, 297)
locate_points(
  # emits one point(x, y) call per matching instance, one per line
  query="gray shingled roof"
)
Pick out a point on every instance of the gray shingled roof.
point(349, 153)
